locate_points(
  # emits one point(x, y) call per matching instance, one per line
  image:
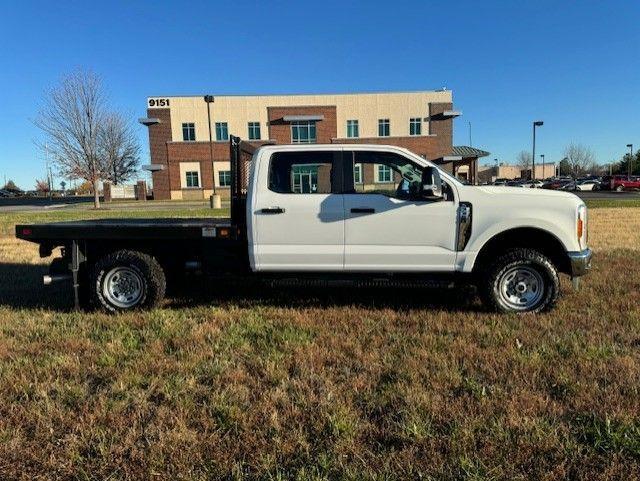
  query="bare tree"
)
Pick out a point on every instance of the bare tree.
point(118, 148)
point(523, 160)
point(579, 158)
point(71, 119)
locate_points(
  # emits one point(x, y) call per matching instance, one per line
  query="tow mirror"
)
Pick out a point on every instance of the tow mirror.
point(431, 184)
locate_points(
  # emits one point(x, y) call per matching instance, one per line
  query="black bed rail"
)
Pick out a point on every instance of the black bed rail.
point(238, 217)
point(241, 153)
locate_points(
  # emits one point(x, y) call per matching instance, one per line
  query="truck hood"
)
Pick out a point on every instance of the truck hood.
point(524, 191)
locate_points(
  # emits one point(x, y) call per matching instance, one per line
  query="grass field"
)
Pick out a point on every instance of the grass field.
point(252, 383)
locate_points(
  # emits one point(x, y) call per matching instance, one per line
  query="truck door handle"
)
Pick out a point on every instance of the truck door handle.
point(363, 210)
point(272, 210)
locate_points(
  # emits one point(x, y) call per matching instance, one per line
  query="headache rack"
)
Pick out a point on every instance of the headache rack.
point(241, 153)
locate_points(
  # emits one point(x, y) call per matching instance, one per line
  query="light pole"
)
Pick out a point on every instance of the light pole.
point(542, 157)
point(630, 168)
point(536, 123)
point(215, 199)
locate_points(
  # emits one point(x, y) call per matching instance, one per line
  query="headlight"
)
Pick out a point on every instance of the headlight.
point(581, 226)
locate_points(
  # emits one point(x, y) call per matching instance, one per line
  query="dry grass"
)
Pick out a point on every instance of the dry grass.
point(614, 228)
point(252, 383)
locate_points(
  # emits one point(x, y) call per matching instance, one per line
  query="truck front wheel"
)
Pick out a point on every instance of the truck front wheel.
point(521, 280)
point(127, 280)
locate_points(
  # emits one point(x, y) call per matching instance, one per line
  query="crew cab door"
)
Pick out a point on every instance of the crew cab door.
point(299, 213)
point(386, 230)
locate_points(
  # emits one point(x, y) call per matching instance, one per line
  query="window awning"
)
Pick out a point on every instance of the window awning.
point(148, 121)
point(447, 114)
point(153, 167)
point(302, 118)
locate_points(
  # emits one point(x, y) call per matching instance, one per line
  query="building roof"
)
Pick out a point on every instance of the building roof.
point(306, 94)
point(466, 151)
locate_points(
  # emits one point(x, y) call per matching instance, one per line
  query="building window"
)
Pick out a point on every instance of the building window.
point(415, 126)
point(385, 174)
point(189, 132)
point(357, 173)
point(384, 128)
point(192, 178)
point(254, 130)
point(352, 129)
point(303, 132)
point(222, 131)
point(224, 178)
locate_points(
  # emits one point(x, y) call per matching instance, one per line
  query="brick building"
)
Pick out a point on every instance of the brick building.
point(181, 152)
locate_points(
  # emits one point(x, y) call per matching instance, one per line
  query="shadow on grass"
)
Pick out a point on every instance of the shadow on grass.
point(21, 287)
point(202, 291)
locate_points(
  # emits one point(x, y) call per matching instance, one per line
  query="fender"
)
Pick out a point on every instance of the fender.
point(466, 260)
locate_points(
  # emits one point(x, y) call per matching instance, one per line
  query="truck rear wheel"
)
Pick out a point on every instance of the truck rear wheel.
point(127, 280)
point(521, 280)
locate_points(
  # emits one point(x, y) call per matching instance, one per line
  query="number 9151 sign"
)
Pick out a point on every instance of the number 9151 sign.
point(158, 103)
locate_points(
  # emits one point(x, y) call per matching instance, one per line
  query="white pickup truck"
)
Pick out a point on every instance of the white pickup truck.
point(321, 214)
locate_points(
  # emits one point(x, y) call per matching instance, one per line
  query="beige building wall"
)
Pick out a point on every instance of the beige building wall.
point(237, 111)
point(489, 173)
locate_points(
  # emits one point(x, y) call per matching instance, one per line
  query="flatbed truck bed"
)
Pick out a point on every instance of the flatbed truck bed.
point(152, 228)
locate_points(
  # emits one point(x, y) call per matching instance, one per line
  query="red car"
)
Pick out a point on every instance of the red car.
point(624, 182)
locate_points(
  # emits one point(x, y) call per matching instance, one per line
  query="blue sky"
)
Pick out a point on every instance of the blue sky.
point(572, 64)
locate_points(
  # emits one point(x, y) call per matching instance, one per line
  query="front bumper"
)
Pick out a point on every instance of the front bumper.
point(580, 262)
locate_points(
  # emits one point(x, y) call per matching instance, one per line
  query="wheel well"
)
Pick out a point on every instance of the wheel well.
point(529, 237)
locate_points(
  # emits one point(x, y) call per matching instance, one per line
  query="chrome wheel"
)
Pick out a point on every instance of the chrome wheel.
point(521, 288)
point(123, 287)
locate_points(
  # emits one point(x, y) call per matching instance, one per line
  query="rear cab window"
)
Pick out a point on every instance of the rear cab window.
point(303, 172)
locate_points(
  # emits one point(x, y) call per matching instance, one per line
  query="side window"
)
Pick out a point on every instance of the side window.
point(383, 173)
point(301, 172)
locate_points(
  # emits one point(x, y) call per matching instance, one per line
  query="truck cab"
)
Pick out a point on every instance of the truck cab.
point(365, 214)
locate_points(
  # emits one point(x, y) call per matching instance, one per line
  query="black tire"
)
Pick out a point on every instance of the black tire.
point(149, 280)
point(531, 263)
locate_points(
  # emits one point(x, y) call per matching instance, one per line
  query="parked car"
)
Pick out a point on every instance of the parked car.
point(6, 193)
point(515, 183)
point(298, 217)
point(533, 184)
point(605, 182)
point(555, 184)
point(587, 185)
point(620, 183)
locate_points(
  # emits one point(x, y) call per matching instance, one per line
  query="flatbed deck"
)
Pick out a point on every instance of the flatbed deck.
point(153, 228)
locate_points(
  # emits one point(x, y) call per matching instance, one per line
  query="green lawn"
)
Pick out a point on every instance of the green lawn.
point(600, 203)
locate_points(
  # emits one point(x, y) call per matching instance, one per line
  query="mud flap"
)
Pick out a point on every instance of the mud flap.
point(575, 281)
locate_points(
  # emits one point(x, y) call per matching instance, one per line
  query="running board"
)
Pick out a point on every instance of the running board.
point(362, 283)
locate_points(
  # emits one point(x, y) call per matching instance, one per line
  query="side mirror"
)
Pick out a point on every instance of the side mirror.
point(431, 188)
